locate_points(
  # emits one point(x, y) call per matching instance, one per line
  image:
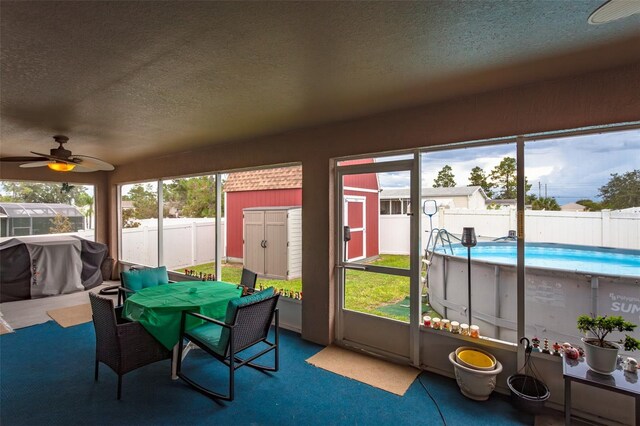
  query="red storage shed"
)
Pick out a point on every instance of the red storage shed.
point(282, 186)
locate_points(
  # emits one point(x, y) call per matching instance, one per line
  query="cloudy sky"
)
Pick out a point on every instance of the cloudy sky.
point(570, 168)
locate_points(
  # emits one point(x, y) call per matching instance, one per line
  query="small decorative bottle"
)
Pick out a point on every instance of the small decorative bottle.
point(545, 348)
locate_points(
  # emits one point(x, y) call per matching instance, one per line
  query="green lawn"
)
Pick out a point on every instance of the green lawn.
point(231, 273)
point(368, 292)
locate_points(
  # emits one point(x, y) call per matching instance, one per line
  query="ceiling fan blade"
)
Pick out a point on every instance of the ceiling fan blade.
point(55, 158)
point(82, 169)
point(35, 164)
point(22, 159)
point(92, 163)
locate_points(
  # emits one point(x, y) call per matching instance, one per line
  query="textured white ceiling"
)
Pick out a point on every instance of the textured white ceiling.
point(127, 79)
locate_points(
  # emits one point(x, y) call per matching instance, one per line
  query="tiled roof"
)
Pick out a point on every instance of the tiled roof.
point(259, 180)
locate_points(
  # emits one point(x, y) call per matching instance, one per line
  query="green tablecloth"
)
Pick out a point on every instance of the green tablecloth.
point(159, 309)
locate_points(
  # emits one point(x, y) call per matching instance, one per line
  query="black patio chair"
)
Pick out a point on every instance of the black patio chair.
point(248, 281)
point(247, 323)
point(121, 344)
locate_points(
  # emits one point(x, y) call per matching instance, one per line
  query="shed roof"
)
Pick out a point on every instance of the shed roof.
point(456, 191)
point(264, 179)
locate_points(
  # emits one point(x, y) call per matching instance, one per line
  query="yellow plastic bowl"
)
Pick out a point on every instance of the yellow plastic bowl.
point(475, 358)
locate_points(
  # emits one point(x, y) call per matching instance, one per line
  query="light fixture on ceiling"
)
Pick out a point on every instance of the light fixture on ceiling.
point(62, 160)
point(59, 166)
point(613, 10)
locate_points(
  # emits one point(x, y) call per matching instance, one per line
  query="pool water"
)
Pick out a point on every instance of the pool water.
point(594, 260)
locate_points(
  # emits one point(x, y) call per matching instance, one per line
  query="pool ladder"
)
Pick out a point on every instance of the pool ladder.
point(436, 236)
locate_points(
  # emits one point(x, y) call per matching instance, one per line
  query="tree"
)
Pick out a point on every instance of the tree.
point(622, 191)
point(60, 224)
point(84, 202)
point(503, 177)
point(36, 192)
point(128, 221)
point(193, 197)
point(545, 203)
point(145, 201)
point(445, 178)
point(478, 178)
point(591, 206)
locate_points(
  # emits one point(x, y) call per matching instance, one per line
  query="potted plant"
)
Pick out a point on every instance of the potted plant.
point(602, 355)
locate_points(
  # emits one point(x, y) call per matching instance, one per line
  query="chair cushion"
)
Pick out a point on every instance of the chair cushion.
point(211, 335)
point(217, 337)
point(234, 304)
point(142, 278)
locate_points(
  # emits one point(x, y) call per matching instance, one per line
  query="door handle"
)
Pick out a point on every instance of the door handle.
point(355, 267)
point(265, 243)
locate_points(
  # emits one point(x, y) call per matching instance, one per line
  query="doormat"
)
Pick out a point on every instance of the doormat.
point(385, 375)
point(73, 315)
point(5, 328)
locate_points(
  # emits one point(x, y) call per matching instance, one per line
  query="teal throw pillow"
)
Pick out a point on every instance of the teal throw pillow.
point(138, 279)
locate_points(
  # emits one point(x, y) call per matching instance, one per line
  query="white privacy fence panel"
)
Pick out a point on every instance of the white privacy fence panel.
point(140, 245)
point(564, 227)
point(607, 229)
point(394, 234)
point(178, 250)
point(205, 242)
point(187, 242)
point(622, 228)
point(488, 223)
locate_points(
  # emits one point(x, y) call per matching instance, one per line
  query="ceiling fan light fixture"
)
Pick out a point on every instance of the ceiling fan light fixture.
point(61, 167)
point(613, 10)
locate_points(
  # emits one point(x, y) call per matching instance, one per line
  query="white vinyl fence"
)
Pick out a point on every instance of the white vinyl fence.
point(607, 229)
point(187, 242)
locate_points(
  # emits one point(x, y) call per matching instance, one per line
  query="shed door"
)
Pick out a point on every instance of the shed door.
point(355, 217)
point(275, 235)
point(254, 253)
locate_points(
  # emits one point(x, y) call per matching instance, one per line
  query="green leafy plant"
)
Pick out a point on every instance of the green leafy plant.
point(601, 326)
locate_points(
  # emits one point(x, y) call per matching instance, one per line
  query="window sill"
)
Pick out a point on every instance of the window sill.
point(483, 341)
point(546, 357)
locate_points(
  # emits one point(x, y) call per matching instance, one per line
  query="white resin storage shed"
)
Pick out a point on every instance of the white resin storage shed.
point(272, 241)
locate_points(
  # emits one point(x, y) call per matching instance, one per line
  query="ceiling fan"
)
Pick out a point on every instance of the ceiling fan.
point(62, 160)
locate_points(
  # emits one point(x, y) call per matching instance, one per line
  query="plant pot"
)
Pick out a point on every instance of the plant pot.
point(475, 384)
point(528, 393)
point(481, 361)
point(601, 360)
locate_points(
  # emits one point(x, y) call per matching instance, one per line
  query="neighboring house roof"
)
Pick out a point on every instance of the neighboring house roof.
point(505, 201)
point(264, 179)
point(455, 191)
point(573, 207)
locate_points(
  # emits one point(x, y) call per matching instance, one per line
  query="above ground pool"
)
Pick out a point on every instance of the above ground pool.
point(586, 259)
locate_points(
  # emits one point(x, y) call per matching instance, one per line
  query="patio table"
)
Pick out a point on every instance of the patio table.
point(619, 381)
point(159, 309)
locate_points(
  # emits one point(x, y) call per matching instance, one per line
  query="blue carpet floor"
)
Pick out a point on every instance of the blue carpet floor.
point(46, 378)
